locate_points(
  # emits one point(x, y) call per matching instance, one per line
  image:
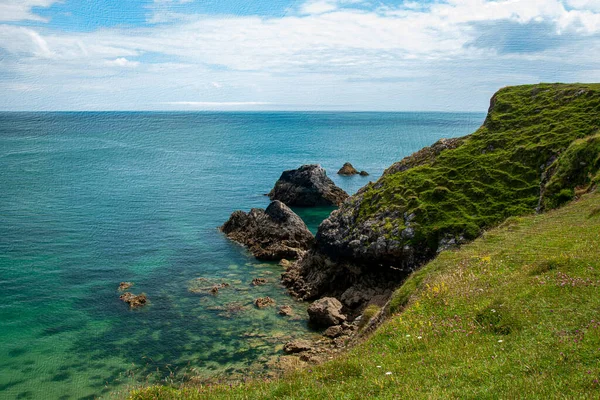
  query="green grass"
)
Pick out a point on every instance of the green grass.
point(514, 314)
point(531, 133)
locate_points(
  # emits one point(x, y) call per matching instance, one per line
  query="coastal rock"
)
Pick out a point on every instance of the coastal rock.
point(334, 331)
point(206, 286)
point(297, 346)
point(133, 300)
point(125, 285)
point(286, 311)
point(326, 312)
point(271, 234)
point(307, 186)
point(347, 169)
point(263, 302)
point(364, 173)
point(259, 281)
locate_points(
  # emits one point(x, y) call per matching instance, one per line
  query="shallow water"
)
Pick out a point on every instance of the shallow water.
point(88, 200)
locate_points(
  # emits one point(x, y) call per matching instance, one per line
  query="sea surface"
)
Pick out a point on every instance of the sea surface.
point(88, 200)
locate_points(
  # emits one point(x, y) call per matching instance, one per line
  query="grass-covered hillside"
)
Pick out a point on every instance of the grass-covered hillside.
point(537, 149)
point(514, 314)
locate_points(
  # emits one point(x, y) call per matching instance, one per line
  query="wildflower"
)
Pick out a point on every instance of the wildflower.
point(419, 337)
point(407, 335)
point(500, 341)
point(388, 373)
point(492, 310)
point(379, 366)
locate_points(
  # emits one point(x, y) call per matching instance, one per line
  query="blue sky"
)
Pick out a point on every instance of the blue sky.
point(372, 55)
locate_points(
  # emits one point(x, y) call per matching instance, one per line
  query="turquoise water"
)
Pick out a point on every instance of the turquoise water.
point(88, 200)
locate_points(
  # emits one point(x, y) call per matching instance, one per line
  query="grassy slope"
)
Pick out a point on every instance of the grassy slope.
point(515, 314)
point(496, 172)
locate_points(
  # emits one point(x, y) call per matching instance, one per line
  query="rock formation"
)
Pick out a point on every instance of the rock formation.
point(133, 300)
point(347, 169)
point(259, 281)
point(326, 312)
point(307, 186)
point(125, 285)
point(270, 234)
point(263, 302)
point(364, 173)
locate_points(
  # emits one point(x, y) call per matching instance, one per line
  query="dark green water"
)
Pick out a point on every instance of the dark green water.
point(88, 200)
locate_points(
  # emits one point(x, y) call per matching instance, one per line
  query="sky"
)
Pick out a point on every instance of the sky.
point(355, 55)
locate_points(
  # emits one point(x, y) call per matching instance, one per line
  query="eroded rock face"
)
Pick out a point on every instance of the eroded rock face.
point(326, 312)
point(133, 300)
point(307, 186)
point(347, 169)
point(272, 234)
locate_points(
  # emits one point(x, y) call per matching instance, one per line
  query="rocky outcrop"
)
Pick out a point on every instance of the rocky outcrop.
point(297, 346)
point(307, 186)
point(347, 169)
point(124, 286)
point(448, 193)
point(263, 302)
point(326, 312)
point(364, 173)
point(134, 301)
point(272, 234)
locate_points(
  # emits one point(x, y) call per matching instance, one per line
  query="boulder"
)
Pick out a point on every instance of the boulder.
point(307, 186)
point(133, 300)
point(263, 302)
point(326, 312)
point(125, 285)
point(297, 346)
point(271, 234)
point(334, 331)
point(347, 169)
point(259, 281)
point(286, 311)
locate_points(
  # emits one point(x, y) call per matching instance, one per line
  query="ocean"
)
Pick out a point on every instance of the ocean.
point(88, 200)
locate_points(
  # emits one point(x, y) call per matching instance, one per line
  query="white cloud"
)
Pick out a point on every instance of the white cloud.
point(329, 47)
point(122, 62)
point(20, 10)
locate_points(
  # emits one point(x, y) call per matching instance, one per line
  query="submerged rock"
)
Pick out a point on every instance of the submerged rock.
point(307, 186)
point(133, 300)
point(270, 234)
point(259, 281)
point(125, 285)
point(206, 286)
point(347, 169)
point(263, 302)
point(326, 312)
point(286, 311)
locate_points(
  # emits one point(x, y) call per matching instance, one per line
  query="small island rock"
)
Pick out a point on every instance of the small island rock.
point(125, 285)
point(133, 300)
point(326, 312)
point(270, 234)
point(307, 186)
point(364, 173)
point(263, 302)
point(347, 169)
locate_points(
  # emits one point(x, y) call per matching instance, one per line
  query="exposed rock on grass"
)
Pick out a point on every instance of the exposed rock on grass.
point(307, 186)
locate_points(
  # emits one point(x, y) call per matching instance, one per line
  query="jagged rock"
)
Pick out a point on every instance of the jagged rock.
point(307, 186)
point(286, 310)
point(334, 331)
point(263, 302)
point(297, 346)
point(347, 169)
point(364, 173)
point(270, 234)
point(133, 300)
point(125, 285)
point(326, 312)
point(259, 281)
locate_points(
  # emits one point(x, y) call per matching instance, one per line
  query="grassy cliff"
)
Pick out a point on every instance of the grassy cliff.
point(512, 315)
